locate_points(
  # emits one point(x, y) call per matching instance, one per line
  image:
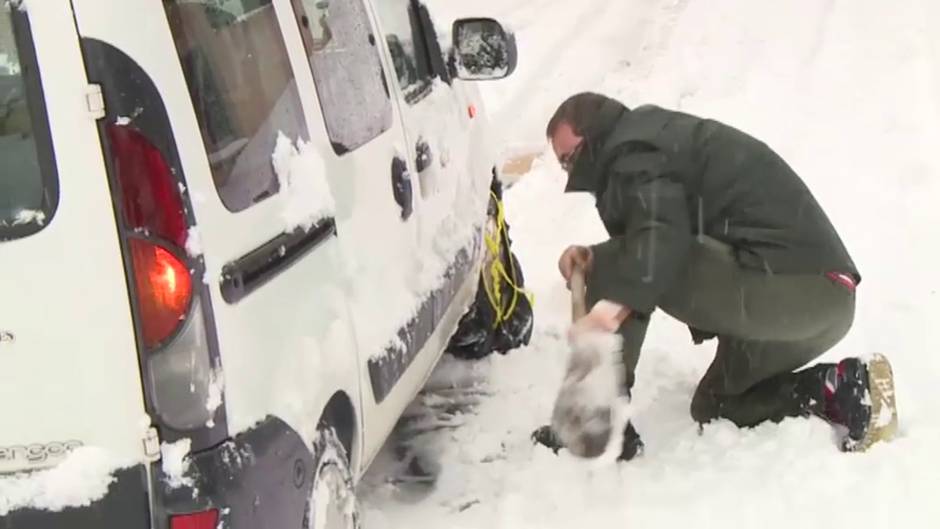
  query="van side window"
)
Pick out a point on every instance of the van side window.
point(242, 89)
point(351, 86)
point(29, 190)
point(406, 43)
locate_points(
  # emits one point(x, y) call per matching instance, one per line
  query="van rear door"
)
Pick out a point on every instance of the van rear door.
point(69, 373)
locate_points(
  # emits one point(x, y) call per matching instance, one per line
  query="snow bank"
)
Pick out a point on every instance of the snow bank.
point(83, 477)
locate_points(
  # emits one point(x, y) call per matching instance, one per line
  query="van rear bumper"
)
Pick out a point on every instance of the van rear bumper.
point(261, 478)
point(125, 506)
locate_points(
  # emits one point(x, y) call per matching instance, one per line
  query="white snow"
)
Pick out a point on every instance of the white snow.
point(321, 499)
point(175, 462)
point(122, 121)
point(216, 390)
point(305, 192)
point(26, 216)
point(193, 242)
point(847, 93)
point(82, 477)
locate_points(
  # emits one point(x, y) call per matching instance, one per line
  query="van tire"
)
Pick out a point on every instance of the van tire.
point(332, 503)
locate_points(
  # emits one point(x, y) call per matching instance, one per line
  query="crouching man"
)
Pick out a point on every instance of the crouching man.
point(713, 227)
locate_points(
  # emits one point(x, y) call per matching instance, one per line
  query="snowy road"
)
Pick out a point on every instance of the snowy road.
point(849, 92)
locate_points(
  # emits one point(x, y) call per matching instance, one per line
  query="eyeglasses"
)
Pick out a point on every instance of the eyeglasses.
point(570, 158)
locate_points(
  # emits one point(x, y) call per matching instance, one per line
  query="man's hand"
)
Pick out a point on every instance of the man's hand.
point(579, 256)
point(605, 316)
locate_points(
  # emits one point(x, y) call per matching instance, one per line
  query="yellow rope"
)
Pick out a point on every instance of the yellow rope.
point(498, 270)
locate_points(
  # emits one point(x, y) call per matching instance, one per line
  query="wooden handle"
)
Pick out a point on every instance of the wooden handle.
point(578, 305)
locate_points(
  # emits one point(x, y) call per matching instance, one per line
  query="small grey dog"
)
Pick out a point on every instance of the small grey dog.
point(583, 416)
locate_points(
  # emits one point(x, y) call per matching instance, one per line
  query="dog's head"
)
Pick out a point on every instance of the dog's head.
point(591, 439)
point(583, 426)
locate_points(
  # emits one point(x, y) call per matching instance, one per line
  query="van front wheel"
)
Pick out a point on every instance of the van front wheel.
point(332, 502)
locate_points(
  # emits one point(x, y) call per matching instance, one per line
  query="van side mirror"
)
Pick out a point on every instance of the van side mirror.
point(482, 50)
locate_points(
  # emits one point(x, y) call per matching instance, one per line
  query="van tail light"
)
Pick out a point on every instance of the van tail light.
point(196, 520)
point(170, 303)
point(164, 290)
point(152, 200)
point(168, 297)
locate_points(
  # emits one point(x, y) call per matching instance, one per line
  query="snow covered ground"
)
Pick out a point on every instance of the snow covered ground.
point(848, 91)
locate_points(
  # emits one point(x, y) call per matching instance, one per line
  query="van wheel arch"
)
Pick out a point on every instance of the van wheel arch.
point(340, 415)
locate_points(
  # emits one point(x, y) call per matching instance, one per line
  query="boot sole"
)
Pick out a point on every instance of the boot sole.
point(883, 423)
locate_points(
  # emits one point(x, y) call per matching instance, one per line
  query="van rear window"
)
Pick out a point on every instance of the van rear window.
point(28, 186)
point(242, 89)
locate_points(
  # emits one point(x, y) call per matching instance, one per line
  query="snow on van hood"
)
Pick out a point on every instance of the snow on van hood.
point(82, 478)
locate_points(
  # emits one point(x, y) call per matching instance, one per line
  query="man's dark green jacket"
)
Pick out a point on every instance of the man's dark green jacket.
point(661, 178)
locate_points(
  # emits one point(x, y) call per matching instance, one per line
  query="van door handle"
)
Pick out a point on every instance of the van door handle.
point(254, 269)
point(423, 155)
point(401, 186)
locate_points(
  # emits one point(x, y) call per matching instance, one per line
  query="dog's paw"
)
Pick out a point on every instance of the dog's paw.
point(546, 437)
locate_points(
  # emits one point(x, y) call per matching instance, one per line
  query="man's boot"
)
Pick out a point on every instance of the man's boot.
point(853, 394)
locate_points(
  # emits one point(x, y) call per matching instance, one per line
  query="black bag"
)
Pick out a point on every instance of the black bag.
point(500, 318)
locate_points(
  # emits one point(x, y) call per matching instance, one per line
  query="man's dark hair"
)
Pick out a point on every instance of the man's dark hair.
point(578, 111)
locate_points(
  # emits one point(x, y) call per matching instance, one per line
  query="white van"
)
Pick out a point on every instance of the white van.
point(235, 238)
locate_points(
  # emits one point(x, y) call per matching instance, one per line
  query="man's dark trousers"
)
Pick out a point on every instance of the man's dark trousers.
point(767, 325)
